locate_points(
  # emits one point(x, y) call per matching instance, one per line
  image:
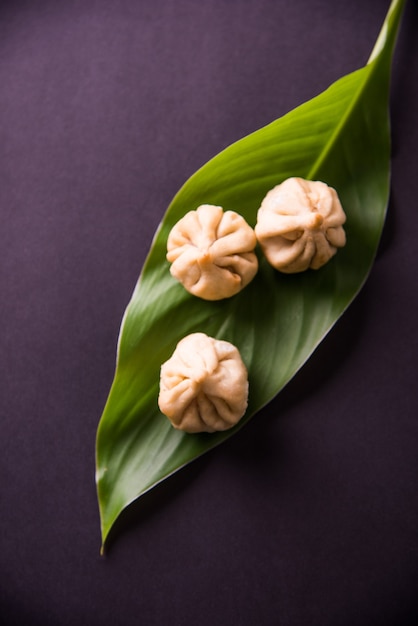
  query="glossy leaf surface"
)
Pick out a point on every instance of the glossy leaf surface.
point(341, 137)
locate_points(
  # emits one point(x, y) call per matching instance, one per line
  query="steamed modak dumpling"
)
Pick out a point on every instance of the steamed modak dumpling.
point(300, 225)
point(212, 252)
point(204, 385)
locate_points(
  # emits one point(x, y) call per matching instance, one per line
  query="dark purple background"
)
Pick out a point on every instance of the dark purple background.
point(308, 516)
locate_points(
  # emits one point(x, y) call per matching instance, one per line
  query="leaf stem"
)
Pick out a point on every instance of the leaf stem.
point(395, 13)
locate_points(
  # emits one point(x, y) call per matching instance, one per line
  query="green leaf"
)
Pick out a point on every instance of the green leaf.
point(341, 137)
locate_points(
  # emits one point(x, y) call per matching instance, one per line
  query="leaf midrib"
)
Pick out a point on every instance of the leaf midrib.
point(342, 123)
